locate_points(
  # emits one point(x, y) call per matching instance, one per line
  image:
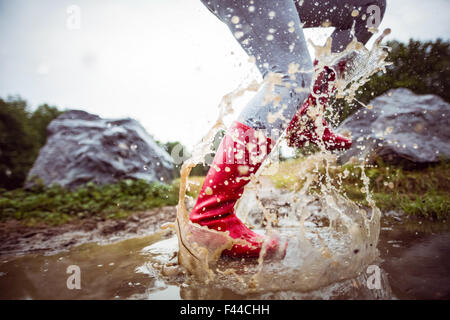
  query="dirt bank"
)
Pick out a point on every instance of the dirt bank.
point(18, 239)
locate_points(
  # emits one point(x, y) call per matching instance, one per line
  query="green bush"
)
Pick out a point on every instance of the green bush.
point(22, 134)
point(423, 67)
point(55, 205)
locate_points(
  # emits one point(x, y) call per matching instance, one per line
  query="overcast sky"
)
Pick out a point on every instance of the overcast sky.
point(166, 63)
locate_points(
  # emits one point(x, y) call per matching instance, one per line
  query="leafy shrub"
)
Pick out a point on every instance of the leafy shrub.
point(55, 205)
point(22, 134)
point(422, 67)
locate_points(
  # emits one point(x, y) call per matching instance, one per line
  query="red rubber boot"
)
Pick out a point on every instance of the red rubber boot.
point(240, 154)
point(331, 140)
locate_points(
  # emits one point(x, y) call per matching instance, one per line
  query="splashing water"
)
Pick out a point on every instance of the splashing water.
point(329, 237)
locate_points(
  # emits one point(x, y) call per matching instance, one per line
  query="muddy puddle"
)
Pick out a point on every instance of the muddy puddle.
point(416, 257)
point(413, 264)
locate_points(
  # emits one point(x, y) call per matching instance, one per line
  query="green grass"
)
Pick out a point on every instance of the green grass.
point(195, 184)
point(422, 193)
point(56, 205)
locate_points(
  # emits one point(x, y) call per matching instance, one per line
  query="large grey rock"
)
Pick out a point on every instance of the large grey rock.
point(83, 147)
point(402, 127)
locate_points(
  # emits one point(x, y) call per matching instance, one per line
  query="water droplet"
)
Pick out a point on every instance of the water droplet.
point(208, 191)
point(235, 20)
point(238, 34)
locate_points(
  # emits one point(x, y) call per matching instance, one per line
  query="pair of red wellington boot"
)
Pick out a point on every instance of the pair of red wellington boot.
point(240, 155)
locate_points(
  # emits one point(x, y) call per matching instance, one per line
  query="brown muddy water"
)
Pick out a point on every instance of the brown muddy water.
point(414, 264)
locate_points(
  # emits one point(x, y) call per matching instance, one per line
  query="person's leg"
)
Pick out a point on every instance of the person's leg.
point(345, 16)
point(271, 32)
point(342, 14)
